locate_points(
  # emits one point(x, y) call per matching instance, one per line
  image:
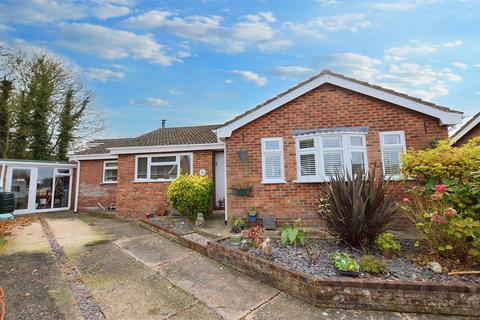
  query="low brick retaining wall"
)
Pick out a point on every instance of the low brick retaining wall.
point(339, 292)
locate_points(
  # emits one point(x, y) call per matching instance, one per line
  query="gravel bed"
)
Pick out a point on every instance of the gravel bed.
point(399, 268)
point(178, 225)
point(198, 238)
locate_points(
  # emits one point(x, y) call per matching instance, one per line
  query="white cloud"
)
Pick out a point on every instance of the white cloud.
point(176, 92)
point(103, 74)
point(315, 28)
point(358, 66)
point(112, 44)
point(251, 76)
point(291, 72)
point(228, 81)
point(394, 6)
point(250, 30)
point(477, 65)
point(453, 44)
point(460, 65)
point(400, 53)
point(421, 81)
point(108, 11)
point(152, 102)
point(48, 11)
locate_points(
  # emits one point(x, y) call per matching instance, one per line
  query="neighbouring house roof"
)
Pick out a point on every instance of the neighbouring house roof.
point(446, 115)
point(174, 136)
point(362, 130)
point(469, 125)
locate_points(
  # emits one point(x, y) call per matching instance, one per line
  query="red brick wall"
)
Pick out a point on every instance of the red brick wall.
point(92, 189)
point(135, 199)
point(475, 132)
point(326, 106)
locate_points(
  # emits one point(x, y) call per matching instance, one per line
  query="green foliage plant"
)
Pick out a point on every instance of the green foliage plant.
point(292, 235)
point(343, 262)
point(372, 265)
point(386, 242)
point(191, 195)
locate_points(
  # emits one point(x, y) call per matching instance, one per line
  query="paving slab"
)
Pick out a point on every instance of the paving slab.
point(26, 239)
point(73, 234)
point(127, 289)
point(228, 292)
point(153, 250)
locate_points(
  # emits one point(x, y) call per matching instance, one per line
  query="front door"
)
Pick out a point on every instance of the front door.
point(219, 178)
point(20, 181)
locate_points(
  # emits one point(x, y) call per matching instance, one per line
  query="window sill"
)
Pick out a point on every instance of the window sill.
point(109, 182)
point(150, 180)
point(309, 181)
point(274, 182)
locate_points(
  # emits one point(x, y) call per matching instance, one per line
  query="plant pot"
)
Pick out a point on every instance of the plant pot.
point(252, 217)
point(352, 274)
point(236, 239)
point(152, 215)
point(147, 216)
point(243, 192)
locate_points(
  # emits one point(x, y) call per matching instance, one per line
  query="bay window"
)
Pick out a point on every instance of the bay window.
point(320, 156)
point(162, 167)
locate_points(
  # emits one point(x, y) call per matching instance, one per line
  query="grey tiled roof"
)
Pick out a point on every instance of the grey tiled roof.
point(328, 72)
point(159, 137)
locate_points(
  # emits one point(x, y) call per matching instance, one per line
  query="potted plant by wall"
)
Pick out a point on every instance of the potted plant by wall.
point(252, 214)
point(242, 189)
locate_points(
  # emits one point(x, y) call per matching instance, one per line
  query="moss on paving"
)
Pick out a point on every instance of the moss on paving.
point(3, 242)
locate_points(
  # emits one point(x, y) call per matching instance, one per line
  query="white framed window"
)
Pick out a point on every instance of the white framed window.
point(392, 145)
point(320, 156)
point(272, 160)
point(110, 171)
point(162, 167)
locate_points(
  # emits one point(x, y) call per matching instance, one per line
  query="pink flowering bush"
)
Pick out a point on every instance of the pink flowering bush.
point(255, 235)
point(446, 231)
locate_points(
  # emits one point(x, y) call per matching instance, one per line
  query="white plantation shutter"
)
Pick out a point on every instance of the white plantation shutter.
point(272, 160)
point(393, 145)
point(307, 164)
point(333, 162)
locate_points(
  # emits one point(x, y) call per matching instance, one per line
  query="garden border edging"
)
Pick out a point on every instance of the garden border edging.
point(339, 292)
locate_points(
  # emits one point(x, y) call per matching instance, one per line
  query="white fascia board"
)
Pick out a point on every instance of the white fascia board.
point(34, 164)
point(93, 157)
point(463, 131)
point(170, 148)
point(445, 117)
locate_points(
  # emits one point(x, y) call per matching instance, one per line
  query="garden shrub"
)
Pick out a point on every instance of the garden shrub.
point(359, 207)
point(191, 195)
point(443, 161)
point(448, 232)
point(255, 235)
point(372, 265)
point(387, 243)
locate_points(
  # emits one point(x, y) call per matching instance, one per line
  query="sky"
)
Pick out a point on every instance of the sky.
point(203, 62)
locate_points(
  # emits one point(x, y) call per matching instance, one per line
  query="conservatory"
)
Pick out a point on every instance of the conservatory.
point(39, 186)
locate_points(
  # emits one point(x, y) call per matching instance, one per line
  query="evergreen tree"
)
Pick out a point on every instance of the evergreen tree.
point(41, 91)
point(19, 148)
point(67, 124)
point(6, 88)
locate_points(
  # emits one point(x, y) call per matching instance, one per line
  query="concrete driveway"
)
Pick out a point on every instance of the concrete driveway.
point(122, 271)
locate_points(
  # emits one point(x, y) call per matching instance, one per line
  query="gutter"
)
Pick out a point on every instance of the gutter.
point(77, 186)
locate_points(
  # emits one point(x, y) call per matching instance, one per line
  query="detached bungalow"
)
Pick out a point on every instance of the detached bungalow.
point(282, 149)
